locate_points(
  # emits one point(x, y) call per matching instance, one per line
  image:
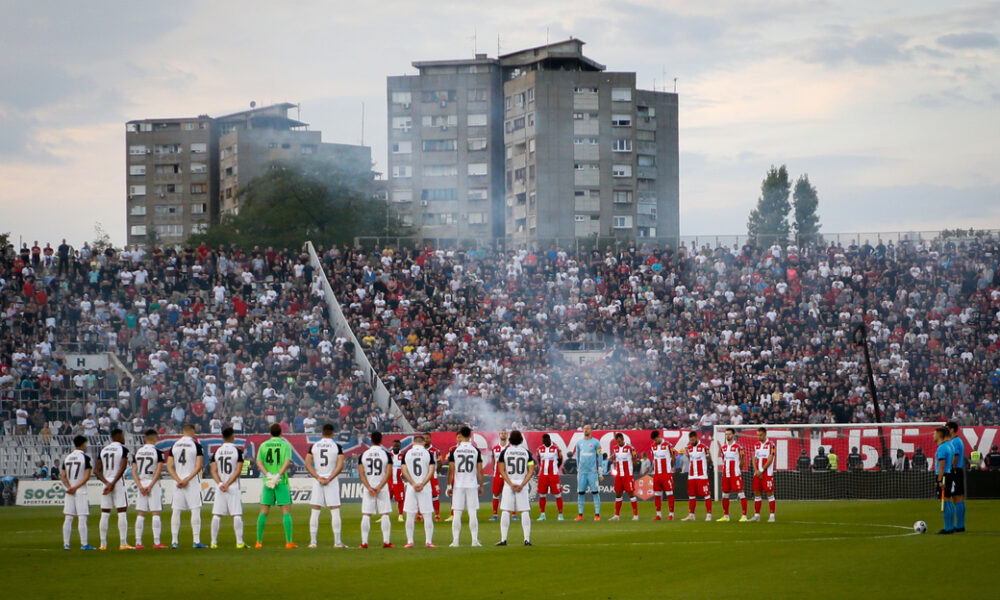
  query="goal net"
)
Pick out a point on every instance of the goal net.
point(840, 461)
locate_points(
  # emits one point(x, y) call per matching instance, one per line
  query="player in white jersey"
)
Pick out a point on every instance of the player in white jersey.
point(226, 465)
point(516, 467)
point(110, 471)
point(147, 466)
point(184, 463)
point(375, 470)
point(324, 462)
point(418, 471)
point(75, 472)
point(465, 484)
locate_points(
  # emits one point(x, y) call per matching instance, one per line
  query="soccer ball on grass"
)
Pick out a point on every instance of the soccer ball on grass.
point(920, 527)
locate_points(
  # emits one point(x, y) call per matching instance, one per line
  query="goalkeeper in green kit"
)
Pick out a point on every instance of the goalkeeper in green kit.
point(274, 458)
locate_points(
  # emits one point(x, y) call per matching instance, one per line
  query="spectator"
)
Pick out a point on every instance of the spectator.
point(820, 461)
point(803, 463)
point(993, 459)
point(919, 460)
point(855, 462)
point(902, 462)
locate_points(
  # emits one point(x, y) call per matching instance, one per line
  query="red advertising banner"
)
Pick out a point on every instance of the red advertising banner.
point(790, 442)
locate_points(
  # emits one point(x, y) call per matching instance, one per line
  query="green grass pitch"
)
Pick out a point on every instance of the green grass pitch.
point(816, 550)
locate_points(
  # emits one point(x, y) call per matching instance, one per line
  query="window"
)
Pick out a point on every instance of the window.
point(169, 169)
point(586, 166)
point(531, 146)
point(440, 170)
point(477, 168)
point(477, 95)
point(644, 135)
point(165, 188)
point(621, 170)
point(199, 148)
point(584, 90)
point(189, 127)
point(519, 99)
point(402, 171)
point(402, 147)
point(439, 195)
point(199, 188)
point(590, 141)
point(519, 174)
point(624, 222)
point(514, 125)
point(439, 145)
point(402, 123)
point(199, 167)
point(477, 120)
point(621, 196)
point(478, 194)
point(531, 94)
point(646, 112)
point(438, 96)
point(646, 160)
point(136, 150)
point(401, 98)
point(199, 208)
point(439, 121)
point(621, 145)
point(531, 119)
point(477, 144)
point(621, 94)
point(167, 148)
point(169, 230)
point(138, 230)
point(621, 120)
point(161, 210)
point(137, 170)
point(478, 218)
point(580, 218)
point(307, 149)
point(199, 227)
point(138, 210)
point(402, 196)
point(137, 190)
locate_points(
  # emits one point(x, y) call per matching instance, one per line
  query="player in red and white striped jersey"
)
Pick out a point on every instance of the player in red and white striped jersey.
point(700, 464)
point(396, 488)
point(732, 474)
point(497, 479)
point(763, 474)
point(550, 460)
point(435, 484)
point(625, 460)
point(663, 476)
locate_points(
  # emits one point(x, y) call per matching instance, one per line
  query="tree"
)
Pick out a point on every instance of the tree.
point(806, 201)
point(294, 202)
point(102, 240)
point(768, 222)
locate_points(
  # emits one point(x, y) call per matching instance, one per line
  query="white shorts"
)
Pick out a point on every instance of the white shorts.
point(151, 503)
point(188, 497)
point(465, 499)
point(326, 495)
point(229, 502)
point(512, 501)
point(418, 501)
point(116, 499)
point(77, 504)
point(379, 504)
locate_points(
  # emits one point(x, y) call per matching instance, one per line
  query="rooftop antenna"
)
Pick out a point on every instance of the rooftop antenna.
point(475, 42)
point(498, 45)
point(675, 85)
point(546, 36)
point(362, 123)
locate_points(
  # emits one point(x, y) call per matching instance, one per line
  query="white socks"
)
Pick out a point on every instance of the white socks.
point(456, 527)
point(526, 525)
point(196, 525)
point(314, 525)
point(386, 530)
point(216, 523)
point(335, 524)
point(429, 528)
point(175, 526)
point(123, 528)
point(366, 527)
point(238, 528)
point(474, 525)
point(410, 525)
point(67, 529)
point(140, 525)
point(504, 525)
point(103, 527)
point(157, 529)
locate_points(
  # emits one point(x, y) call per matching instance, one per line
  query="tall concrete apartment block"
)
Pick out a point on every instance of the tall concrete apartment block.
point(446, 148)
point(184, 173)
point(172, 177)
point(585, 153)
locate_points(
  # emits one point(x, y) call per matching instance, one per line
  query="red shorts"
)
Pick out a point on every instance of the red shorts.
point(497, 485)
point(664, 482)
point(763, 484)
point(732, 484)
point(624, 484)
point(697, 488)
point(396, 491)
point(549, 484)
point(435, 487)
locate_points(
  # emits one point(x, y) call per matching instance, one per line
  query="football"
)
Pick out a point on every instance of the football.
point(920, 527)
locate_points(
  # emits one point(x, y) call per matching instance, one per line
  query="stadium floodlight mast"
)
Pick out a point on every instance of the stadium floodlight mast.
point(861, 340)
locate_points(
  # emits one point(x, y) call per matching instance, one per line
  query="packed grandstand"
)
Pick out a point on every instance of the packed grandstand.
point(687, 337)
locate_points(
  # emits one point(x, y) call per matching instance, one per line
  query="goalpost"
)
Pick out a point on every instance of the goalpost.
point(866, 457)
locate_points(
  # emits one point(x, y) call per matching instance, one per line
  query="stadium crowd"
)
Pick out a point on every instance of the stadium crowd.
point(693, 336)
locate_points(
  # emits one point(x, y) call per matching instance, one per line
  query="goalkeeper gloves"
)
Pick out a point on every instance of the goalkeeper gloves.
point(272, 480)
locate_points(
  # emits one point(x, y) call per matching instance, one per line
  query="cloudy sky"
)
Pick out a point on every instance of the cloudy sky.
point(892, 108)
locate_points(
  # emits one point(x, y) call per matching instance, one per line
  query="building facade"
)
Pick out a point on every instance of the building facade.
point(183, 174)
point(584, 152)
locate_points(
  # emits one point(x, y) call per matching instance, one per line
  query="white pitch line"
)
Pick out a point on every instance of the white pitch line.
point(714, 542)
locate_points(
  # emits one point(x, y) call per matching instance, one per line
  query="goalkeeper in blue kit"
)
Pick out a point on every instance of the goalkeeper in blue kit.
point(588, 469)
